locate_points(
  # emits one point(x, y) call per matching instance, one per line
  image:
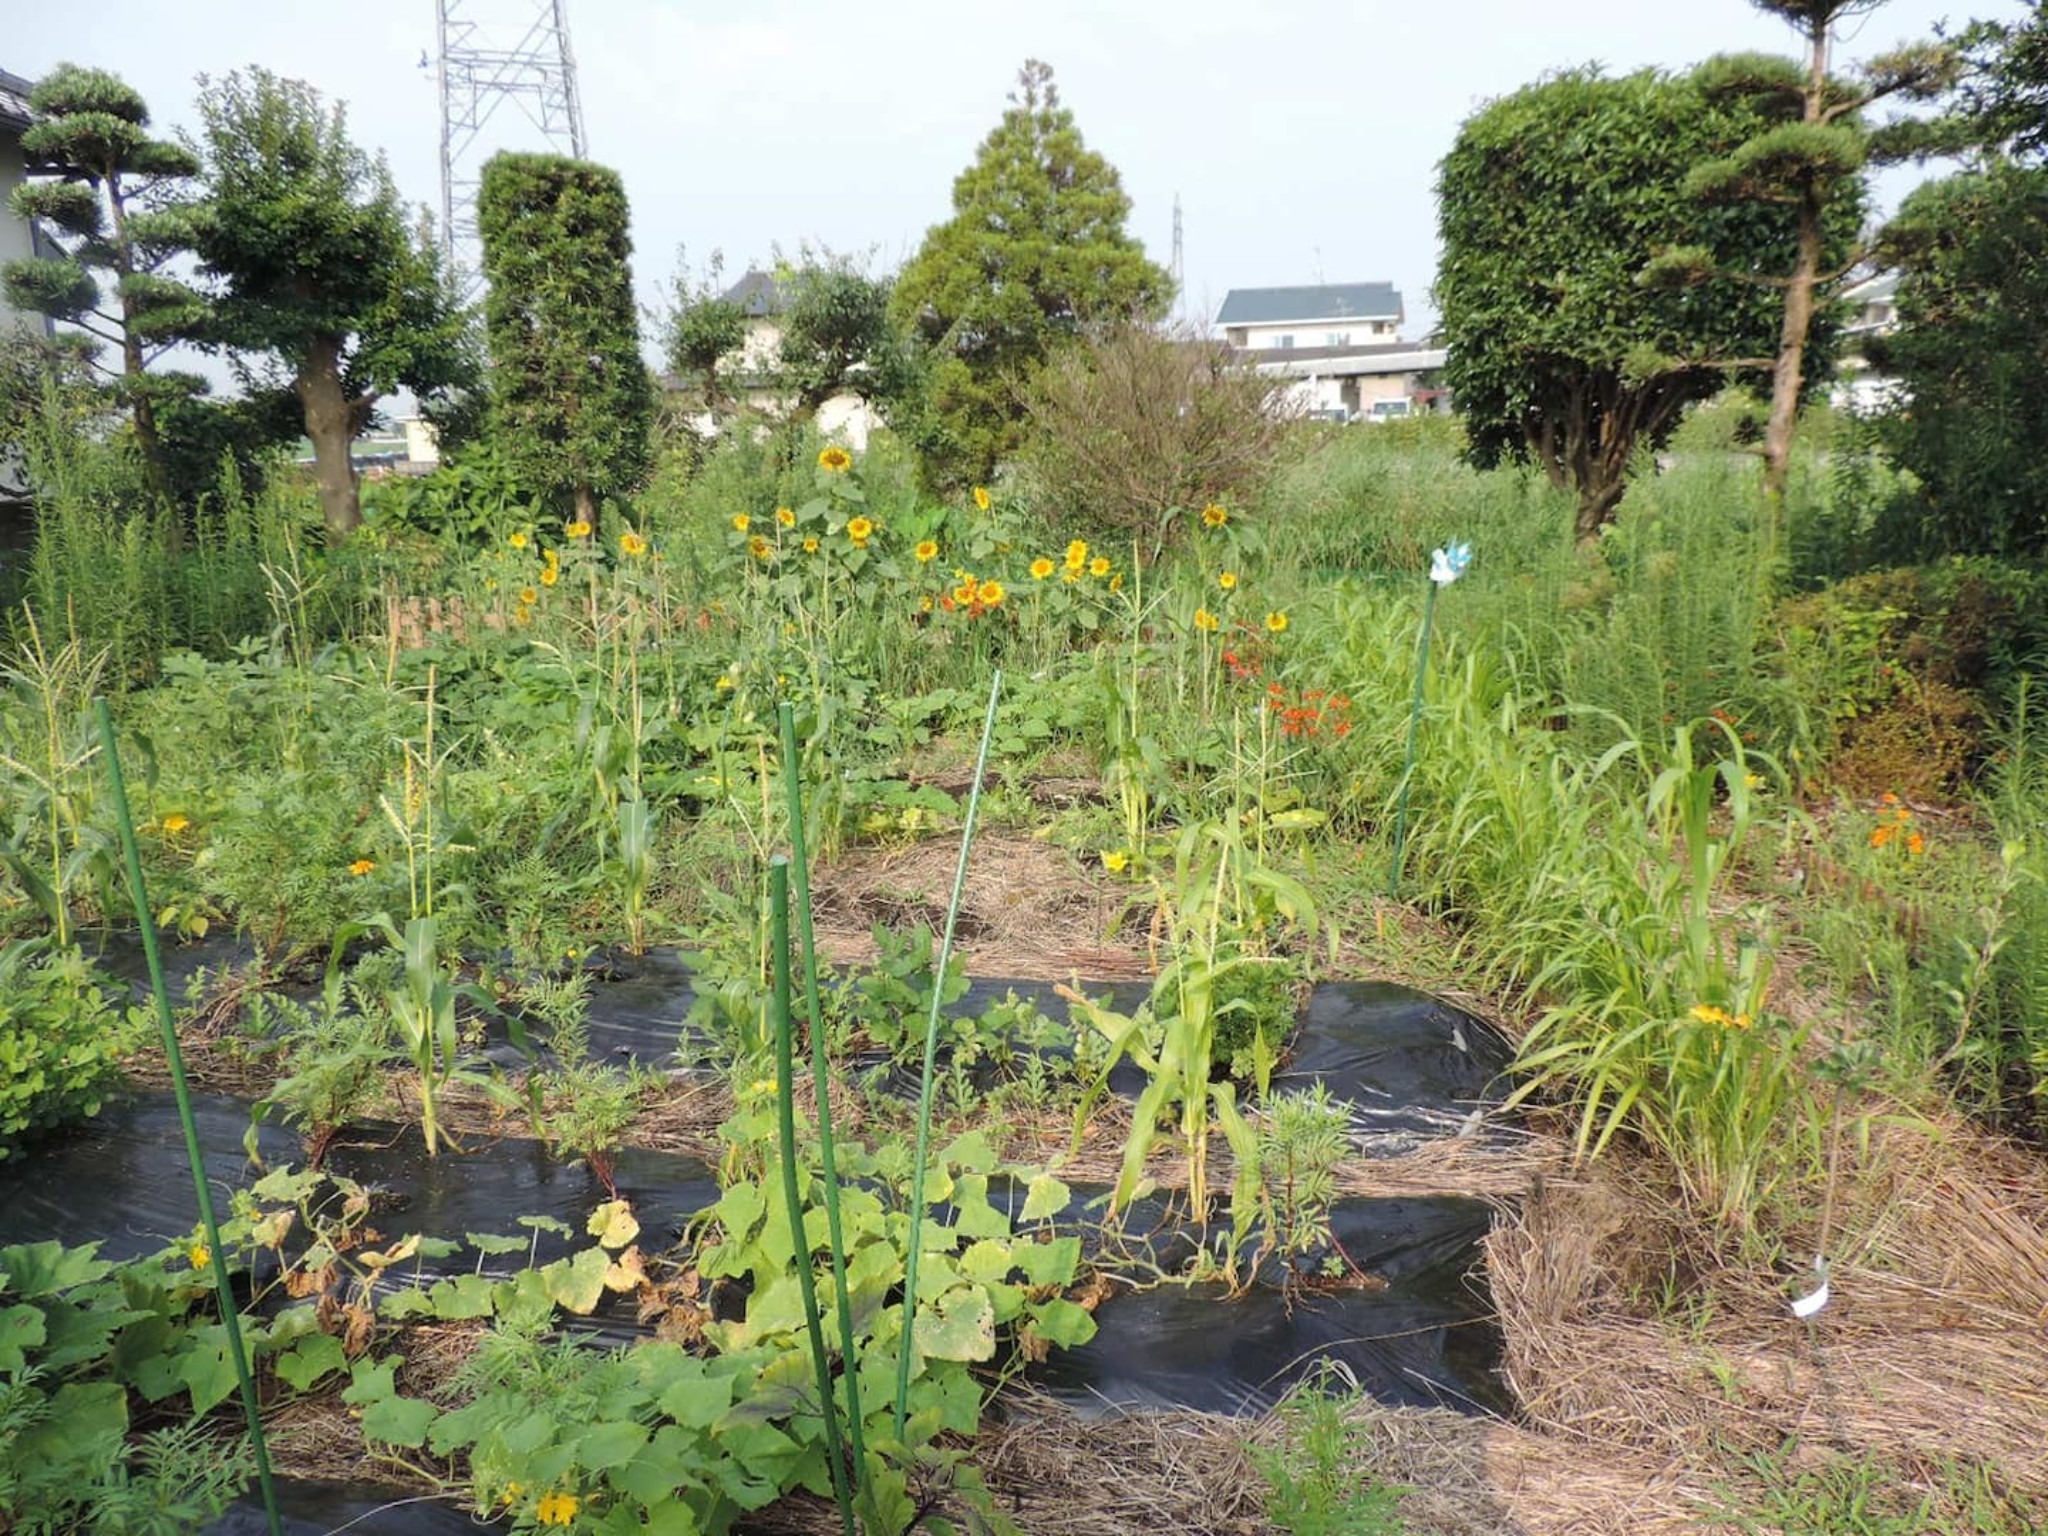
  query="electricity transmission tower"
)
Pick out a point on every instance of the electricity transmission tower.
point(495, 52)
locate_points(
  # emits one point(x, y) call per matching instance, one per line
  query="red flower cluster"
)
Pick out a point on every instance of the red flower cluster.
point(1314, 713)
point(1243, 668)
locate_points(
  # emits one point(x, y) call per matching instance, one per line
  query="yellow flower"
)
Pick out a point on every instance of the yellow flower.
point(1707, 1013)
point(199, 1256)
point(927, 551)
point(1116, 582)
point(632, 544)
point(811, 545)
point(1277, 623)
point(174, 823)
point(1114, 860)
point(578, 529)
point(924, 604)
point(557, 1509)
point(1915, 844)
point(1041, 568)
point(1753, 781)
point(990, 593)
point(1204, 619)
point(528, 596)
point(1077, 554)
point(1227, 581)
point(964, 593)
point(758, 547)
point(1214, 516)
point(785, 517)
point(725, 680)
point(550, 574)
point(740, 522)
point(513, 1489)
point(1740, 1021)
point(860, 530)
point(981, 498)
point(835, 460)
point(1099, 566)
point(517, 541)
point(362, 866)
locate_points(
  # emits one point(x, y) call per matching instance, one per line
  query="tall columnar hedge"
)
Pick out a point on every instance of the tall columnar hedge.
point(570, 398)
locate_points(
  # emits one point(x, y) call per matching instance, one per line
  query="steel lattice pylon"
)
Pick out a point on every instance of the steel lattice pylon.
point(493, 52)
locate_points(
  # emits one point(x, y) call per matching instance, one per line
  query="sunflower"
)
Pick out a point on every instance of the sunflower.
point(1205, 620)
point(1227, 581)
point(517, 541)
point(1116, 582)
point(1099, 566)
point(963, 594)
point(989, 593)
point(1277, 623)
point(632, 544)
point(1214, 516)
point(981, 497)
point(550, 574)
point(811, 545)
point(1041, 568)
point(835, 461)
point(528, 596)
point(758, 547)
point(1077, 554)
point(362, 866)
point(860, 530)
point(578, 529)
point(927, 551)
point(785, 517)
point(740, 522)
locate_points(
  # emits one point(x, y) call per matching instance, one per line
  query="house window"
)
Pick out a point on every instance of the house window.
point(1283, 341)
point(1337, 339)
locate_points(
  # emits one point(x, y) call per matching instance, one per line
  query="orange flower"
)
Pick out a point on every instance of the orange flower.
point(1879, 836)
point(362, 866)
point(1915, 844)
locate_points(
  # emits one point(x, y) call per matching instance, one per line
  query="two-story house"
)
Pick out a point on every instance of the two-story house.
point(750, 370)
point(1339, 345)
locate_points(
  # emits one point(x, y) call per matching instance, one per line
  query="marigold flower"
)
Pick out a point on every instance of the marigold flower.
point(1887, 799)
point(199, 1256)
point(927, 551)
point(1114, 860)
point(981, 497)
point(1915, 844)
point(1205, 620)
point(632, 544)
point(835, 460)
point(758, 547)
point(741, 522)
point(1041, 568)
point(517, 541)
point(362, 866)
point(811, 545)
point(578, 529)
point(1099, 566)
point(1214, 516)
point(1227, 581)
point(1879, 836)
point(1277, 623)
point(859, 530)
point(1077, 554)
point(557, 1509)
point(990, 593)
point(175, 823)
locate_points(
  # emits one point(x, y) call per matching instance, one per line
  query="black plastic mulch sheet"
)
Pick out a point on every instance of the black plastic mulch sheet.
point(330, 1509)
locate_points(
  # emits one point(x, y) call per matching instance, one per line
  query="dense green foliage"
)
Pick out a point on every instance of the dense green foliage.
point(1555, 201)
point(61, 1041)
point(570, 399)
point(1035, 251)
point(316, 271)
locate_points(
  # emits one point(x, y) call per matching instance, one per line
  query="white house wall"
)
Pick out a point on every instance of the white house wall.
point(16, 244)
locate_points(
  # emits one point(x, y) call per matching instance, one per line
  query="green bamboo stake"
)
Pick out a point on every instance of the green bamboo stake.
point(792, 780)
point(785, 1114)
point(1414, 727)
point(931, 1040)
point(231, 1315)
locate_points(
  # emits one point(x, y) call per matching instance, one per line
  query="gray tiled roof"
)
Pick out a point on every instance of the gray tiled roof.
point(14, 91)
point(757, 294)
point(1328, 301)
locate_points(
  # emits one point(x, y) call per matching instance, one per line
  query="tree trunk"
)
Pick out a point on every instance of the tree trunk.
point(1788, 375)
point(147, 440)
point(1598, 500)
point(586, 506)
point(330, 423)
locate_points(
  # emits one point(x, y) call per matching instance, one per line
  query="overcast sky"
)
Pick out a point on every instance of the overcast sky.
point(1302, 139)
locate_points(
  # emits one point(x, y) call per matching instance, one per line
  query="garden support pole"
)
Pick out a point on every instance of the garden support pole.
point(799, 1239)
point(230, 1314)
point(1414, 727)
point(800, 859)
point(931, 1040)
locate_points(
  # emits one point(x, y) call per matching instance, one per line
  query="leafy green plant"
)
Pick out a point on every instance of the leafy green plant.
point(61, 1039)
point(1303, 1138)
point(332, 1069)
point(1314, 1483)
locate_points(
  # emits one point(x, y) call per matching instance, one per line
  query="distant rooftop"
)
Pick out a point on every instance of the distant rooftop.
point(14, 112)
point(757, 295)
point(1311, 304)
point(1881, 289)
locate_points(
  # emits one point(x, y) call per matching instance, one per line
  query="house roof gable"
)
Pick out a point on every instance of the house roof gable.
point(14, 112)
point(757, 294)
point(1310, 304)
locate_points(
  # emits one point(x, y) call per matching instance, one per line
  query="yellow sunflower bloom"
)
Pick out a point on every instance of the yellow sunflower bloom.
point(550, 574)
point(632, 544)
point(1077, 554)
point(517, 541)
point(811, 545)
point(528, 596)
point(835, 460)
point(990, 593)
point(860, 530)
point(927, 551)
point(964, 593)
point(741, 522)
point(1277, 623)
point(1099, 566)
point(1205, 620)
point(981, 497)
point(1116, 582)
point(362, 866)
point(1214, 516)
point(578, 529)
point(785, 517)
point(758, 547)
point(1040, 568)
point(1227, 581)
